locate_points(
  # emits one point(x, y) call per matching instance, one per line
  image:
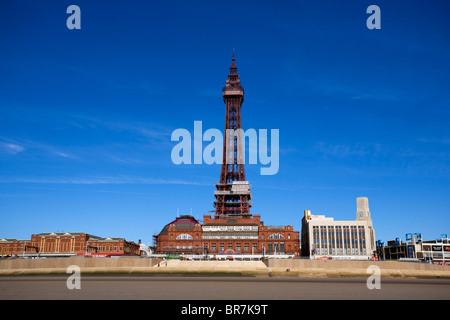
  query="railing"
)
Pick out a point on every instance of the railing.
point(234, 191)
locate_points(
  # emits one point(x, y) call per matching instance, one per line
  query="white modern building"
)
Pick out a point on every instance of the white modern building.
point(323, 237)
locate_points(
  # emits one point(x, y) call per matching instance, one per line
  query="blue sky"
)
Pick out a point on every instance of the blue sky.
point(86, 115)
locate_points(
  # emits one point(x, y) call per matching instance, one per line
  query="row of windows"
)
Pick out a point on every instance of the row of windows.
point(332, 232)
point(229, 237)
point(339, 236)
point(106, 249)
point(339, 242)
point(276, 236)
point(230, 228)
point(339, 227)
point(272, 247)
point(230, 247)
point(185, 236)
point(52, 248)
point(340, 251)
point(275, 247)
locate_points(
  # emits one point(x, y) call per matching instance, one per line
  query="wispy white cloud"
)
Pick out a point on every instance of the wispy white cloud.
point(108, 136)
point(346, 150)
point(443, 141)
point(15, 146)
point(102, 180)
point(410, 160)
point(376, 97)
point(146, 130)
point(52, 150)
point(62, 154)
point(11, 148)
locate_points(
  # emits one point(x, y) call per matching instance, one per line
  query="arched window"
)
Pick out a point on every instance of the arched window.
point(276, 236)
point(184, 236)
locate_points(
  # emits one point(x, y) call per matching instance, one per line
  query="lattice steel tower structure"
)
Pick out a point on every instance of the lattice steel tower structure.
point(233, 191)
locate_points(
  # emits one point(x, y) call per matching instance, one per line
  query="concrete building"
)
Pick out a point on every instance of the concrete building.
point(323, 237)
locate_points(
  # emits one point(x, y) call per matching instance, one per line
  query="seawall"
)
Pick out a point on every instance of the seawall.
point(349, 268)
point(51, 266)
point(266, 268)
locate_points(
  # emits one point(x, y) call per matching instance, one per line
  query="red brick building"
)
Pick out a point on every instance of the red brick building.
point(68, 244)
point(234, 236)
point(182, 235)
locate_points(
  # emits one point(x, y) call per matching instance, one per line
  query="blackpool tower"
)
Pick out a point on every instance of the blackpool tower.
point(233, 191)
point(232, 230)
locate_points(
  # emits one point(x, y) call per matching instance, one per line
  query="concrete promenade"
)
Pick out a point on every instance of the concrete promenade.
point(302, 268)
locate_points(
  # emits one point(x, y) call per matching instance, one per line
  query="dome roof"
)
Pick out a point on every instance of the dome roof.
point(185, 222)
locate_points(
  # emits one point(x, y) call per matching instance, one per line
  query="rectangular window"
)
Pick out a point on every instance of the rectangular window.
point(323, 235)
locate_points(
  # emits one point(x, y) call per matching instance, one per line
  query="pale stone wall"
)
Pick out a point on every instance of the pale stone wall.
point(340, 268)
point(270, 267)
point(59, 265)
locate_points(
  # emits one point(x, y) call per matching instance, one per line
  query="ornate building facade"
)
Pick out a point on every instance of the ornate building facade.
point(68, 244)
